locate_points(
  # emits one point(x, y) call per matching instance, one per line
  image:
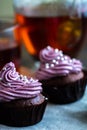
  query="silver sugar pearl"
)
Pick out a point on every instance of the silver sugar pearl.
point(31, 79)
point(73, 59)
point(56, 50)
point(65, 57)
point(21, 75)
point(61, 53)
point(54, 61)
point(57, 62)
point(52, 65)
point(46, 65)
point(70, 61)
point(48, 47)
point(25, 77)
point(58, 58)
point(62, 59)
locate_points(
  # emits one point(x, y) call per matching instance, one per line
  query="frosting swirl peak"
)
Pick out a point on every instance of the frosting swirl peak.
point(15, 86)
point(54, 63)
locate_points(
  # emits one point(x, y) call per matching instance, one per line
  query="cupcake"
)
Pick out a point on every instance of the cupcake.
point(62, 78)
point(21, 99)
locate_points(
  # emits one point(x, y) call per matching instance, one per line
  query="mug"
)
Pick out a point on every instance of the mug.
point(58, 23)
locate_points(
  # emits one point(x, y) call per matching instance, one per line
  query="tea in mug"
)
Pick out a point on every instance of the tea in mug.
point(43, 24)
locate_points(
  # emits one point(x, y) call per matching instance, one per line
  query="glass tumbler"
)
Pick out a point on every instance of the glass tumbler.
point(58, 23)
point(10, 49)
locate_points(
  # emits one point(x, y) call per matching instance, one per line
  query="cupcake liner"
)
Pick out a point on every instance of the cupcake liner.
point(67, 93)
point(22, 116)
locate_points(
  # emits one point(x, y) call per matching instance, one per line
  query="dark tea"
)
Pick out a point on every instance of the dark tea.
point(59, 32)
point(43, 24)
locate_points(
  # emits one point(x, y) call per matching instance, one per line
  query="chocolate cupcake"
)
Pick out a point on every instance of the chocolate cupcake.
point(21, 101)
point(62, 78)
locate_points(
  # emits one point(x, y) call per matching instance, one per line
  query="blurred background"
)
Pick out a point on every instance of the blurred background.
point(7, 13)
point(6, 9)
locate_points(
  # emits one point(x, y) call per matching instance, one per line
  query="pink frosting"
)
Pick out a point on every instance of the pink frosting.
point(54, 63)
point(15, 86)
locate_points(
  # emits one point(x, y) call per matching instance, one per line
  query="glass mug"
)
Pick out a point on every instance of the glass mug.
point(58, 23)
point(10, 49)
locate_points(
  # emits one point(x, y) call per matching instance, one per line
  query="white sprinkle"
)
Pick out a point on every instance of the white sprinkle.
point(48, 47)
point(65, 57)
point(58, 57)
point(25, 77)
point(62, 59)
point(52, 65)
point(56, 50)
point(70, 61)
point(31, 79)
point(61, 53)
point(47, 66)
point(14, 69)
point(0, 79)
point(73, 59)
point(54, 61)
point(57, 62)
point(21, 75)
point(46, 98)
point(18, 78)
point(26, 81)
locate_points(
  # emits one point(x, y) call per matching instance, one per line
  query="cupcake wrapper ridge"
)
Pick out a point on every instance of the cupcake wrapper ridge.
point(67, 93)
point(20, 117)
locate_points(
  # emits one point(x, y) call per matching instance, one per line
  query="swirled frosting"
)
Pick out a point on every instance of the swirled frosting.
point(54, 63)
point(15, 86)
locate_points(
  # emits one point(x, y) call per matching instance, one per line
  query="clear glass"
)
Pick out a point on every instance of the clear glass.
point(10, 49)
point(58, 23)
